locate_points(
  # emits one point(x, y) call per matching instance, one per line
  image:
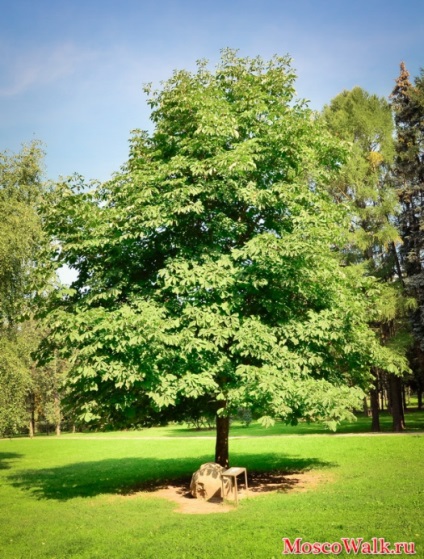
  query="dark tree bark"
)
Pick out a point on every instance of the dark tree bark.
point(366, 410)
point(381, 398)
point(416, 360)
point(375, 411)
point(405, 405)
point(420, 398)
point(397, 264)
point(396, 403)
point(390, 396)
point(222, 433)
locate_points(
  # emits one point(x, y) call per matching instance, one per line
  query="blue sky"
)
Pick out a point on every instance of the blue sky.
point(71, 71)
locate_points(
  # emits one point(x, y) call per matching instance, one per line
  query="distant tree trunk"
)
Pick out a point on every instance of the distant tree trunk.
point(397, 263)
point(57, 410)
point(381, 398)
point(420, 380)
point(366, 410)
point(222, 434)
point(375, 411)
point(390, 396)
point(396, 403)
point(31, 425)
point(384, 393)
point(57, 414)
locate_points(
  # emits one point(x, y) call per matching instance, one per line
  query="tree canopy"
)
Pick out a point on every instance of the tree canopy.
point(213, 265)
point(22, 244)
point(408, 108)
point(366, 184)
point(366, 122)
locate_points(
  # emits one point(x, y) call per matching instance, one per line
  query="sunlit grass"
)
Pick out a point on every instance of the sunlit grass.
point(414, 423)
point(74, 498)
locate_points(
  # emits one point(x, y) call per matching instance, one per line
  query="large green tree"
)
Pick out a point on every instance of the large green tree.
point(408, 107)
point(23, 271)
point(211, 266)
point(366, 184)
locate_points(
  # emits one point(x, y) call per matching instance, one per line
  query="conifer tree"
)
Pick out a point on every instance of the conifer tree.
point(365, 184)
point(408, 108)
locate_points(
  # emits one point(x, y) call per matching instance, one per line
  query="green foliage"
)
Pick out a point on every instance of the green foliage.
point(365, 123)
point(210, 266)
point(408, 108)
point(21, 235)
point(15, 384)
point(365, 185)
point(26, 388)
point(24, 269)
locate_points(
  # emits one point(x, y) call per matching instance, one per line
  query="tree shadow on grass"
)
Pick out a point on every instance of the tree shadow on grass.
point(6, 458)
point(124, 476)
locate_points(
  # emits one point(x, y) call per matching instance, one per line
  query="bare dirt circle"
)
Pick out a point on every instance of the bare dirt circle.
point(260, 483)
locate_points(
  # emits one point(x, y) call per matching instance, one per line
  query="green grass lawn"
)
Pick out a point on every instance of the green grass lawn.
point(414, 423)
point(74, 498)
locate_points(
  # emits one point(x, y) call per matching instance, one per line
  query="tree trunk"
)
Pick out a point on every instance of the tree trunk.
point(31, 425)
point(396, 401)
point(390, 396)
point(57, 413)
point(397, 263)
point(366, 410)
point(375, 412)
point(221, 447)
point(420, 398)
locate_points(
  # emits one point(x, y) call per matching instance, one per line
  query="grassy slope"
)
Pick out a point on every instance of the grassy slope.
point(60, 498)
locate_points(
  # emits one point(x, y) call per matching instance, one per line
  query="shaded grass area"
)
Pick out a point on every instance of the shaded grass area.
point(126, 476)
point(64, 498)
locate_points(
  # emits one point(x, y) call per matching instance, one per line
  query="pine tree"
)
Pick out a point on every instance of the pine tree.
point(408, 108)
point(365, 185)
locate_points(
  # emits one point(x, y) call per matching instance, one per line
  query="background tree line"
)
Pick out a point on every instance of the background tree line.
point(250, 255)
